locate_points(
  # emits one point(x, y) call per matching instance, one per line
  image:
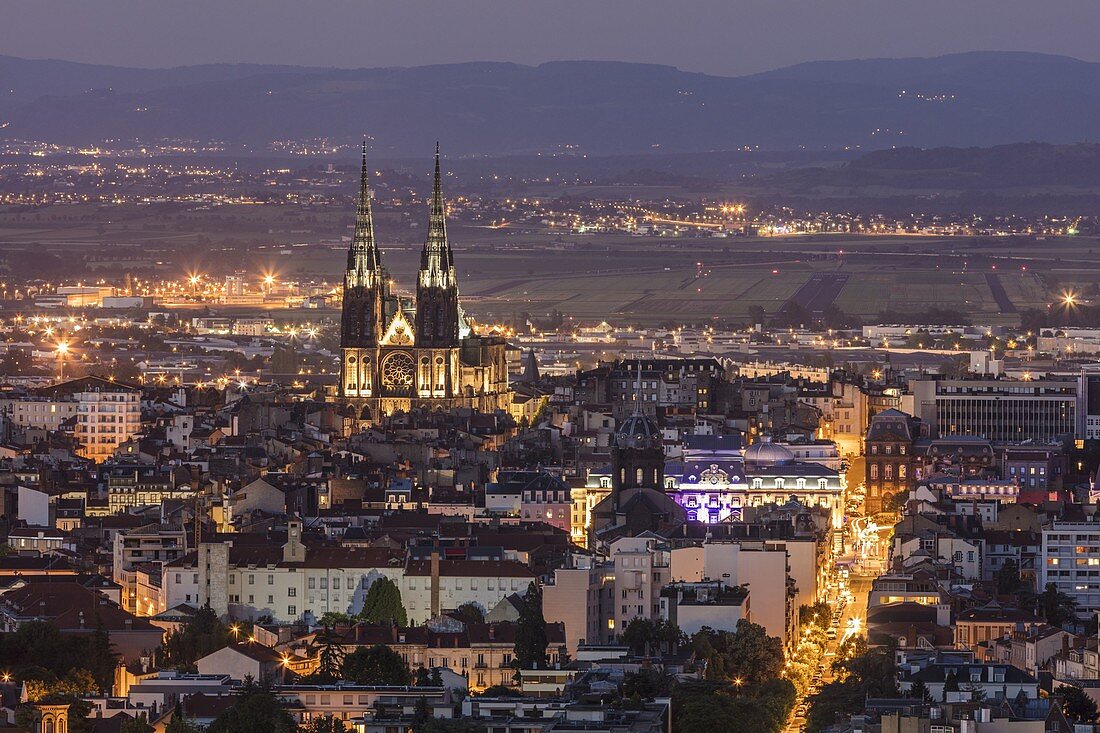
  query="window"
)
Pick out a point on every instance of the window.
point(311, 583)
point(270, 579)
point(251, 579)
point(292, 592)
point(292, 610)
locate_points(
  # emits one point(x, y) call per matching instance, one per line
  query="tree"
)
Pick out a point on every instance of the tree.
point(639, 636)
point(648, 682)
point(816, 614)
point(202, 635)
point(471, 612)
point(257, 710)
point(376, 665)
point(331, 656)
point(421, 712)
point(977, 692)
point(1056, 607)
point(76, 683)
point(139, 724)
point(1008, 578)
point(331, 618)
point(950, 684)
point(870, 674)
point(919, 691)
point(382, 604)
point(180, 724)
point(531, 641)
point(747, 656)
point(323, 724)
point(668, 636)
point(1078, 706)
point(715, 705)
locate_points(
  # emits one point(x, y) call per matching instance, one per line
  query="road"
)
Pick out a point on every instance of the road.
point(852, 621)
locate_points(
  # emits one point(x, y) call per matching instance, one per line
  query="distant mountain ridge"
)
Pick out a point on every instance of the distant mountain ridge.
point(603, 108)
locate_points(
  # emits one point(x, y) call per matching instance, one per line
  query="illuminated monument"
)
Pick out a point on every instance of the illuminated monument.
point(399, 354)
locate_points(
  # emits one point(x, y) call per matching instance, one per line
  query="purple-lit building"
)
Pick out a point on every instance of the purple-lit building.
point(717, 479)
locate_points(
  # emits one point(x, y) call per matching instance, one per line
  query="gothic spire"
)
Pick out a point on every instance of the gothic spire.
point(436, 259)
point(364, 262)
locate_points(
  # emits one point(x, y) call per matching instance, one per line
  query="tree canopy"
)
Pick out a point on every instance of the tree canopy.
point(203, 634)
point(382, 604)
point(867, 674)
point(531, 641)
point(257, 710)
point(747, 656)
point(376, 665)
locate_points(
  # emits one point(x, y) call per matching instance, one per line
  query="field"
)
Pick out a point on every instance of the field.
point(590, 277)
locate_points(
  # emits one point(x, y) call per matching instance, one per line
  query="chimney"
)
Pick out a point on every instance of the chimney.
point(435, 582)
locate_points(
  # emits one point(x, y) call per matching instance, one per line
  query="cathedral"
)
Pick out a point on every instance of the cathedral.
point(397, 353)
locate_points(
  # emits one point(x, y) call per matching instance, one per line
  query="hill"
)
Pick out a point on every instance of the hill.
point(605, 108)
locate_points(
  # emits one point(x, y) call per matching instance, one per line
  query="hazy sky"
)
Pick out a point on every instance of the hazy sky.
point(716, 36)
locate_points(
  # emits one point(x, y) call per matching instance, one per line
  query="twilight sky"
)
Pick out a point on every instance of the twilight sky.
point(715, 36)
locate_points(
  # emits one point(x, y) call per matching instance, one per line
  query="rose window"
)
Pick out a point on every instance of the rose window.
point(398, 370)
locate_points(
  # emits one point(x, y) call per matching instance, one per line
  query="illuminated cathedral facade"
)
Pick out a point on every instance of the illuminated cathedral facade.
point(397, 353)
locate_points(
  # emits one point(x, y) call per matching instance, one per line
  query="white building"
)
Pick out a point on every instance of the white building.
point(1070, 559)
point(108, 413)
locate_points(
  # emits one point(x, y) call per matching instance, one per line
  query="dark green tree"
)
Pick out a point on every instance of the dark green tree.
point(531, 641)
point(330, 656)
point(950, 684)
point(919, 691)
point(1008, 578)
point(382, 604)
point(200, 636)
point(376, 665)
point(1076, 704)
point(257, 710)
point(471, 612)
point(421, 712)
point(640, 636)
point(747, 655)
point(180, 724)
point(870, 674)
point(1056, 607)
point(139, 724)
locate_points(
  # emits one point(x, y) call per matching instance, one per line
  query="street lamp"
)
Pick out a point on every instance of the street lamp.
point(62, 351)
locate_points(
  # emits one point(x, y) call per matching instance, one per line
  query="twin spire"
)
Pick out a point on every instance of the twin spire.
point(436, 259)
point(364, 262)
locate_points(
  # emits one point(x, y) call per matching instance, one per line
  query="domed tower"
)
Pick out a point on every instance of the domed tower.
point(766, 453)
point(637, 455)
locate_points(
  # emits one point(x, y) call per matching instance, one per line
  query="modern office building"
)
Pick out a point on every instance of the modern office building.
point(1000, 410)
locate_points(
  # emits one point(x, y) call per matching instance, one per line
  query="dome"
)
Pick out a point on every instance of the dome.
point(767, 453)
point(638, 431)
